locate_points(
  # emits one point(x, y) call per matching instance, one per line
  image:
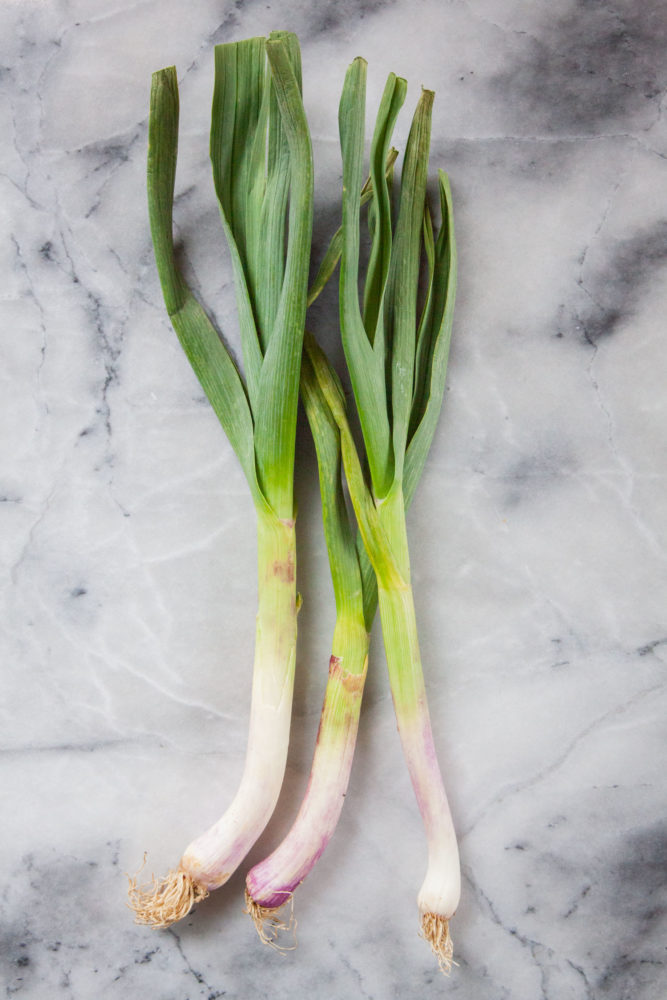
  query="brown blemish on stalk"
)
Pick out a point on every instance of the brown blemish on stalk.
point(335, 669)
point(284, 569)
point(353, 683)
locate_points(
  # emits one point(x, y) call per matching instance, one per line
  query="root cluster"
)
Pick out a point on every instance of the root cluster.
point(161, 902)
point(270, 922)
point(435, 930)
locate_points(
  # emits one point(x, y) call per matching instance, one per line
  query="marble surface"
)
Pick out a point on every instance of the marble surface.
point(538, 533)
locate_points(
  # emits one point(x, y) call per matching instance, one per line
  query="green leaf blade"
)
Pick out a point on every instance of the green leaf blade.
point(424, 340)
point(339, 537)
point(444, 284)
point(401, 299)
point(392, 101)
point(366, 374)
point(237, 68)
point(374, 538)
point(210, 360)
point(269, 236)
point(335, 248)
point(279, 379)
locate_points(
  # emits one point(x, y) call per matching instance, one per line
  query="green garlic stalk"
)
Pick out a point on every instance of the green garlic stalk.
point(271, 883)
point(396, 355)
point(263, 172)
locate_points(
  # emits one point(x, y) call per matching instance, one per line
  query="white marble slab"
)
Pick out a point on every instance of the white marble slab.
point(538, 533)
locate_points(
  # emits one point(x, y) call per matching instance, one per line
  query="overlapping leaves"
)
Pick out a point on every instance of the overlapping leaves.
point(263, 173)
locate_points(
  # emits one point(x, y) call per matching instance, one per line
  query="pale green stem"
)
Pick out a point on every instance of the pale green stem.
point(211, 859)
point(272, 882)
point(441, 888)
